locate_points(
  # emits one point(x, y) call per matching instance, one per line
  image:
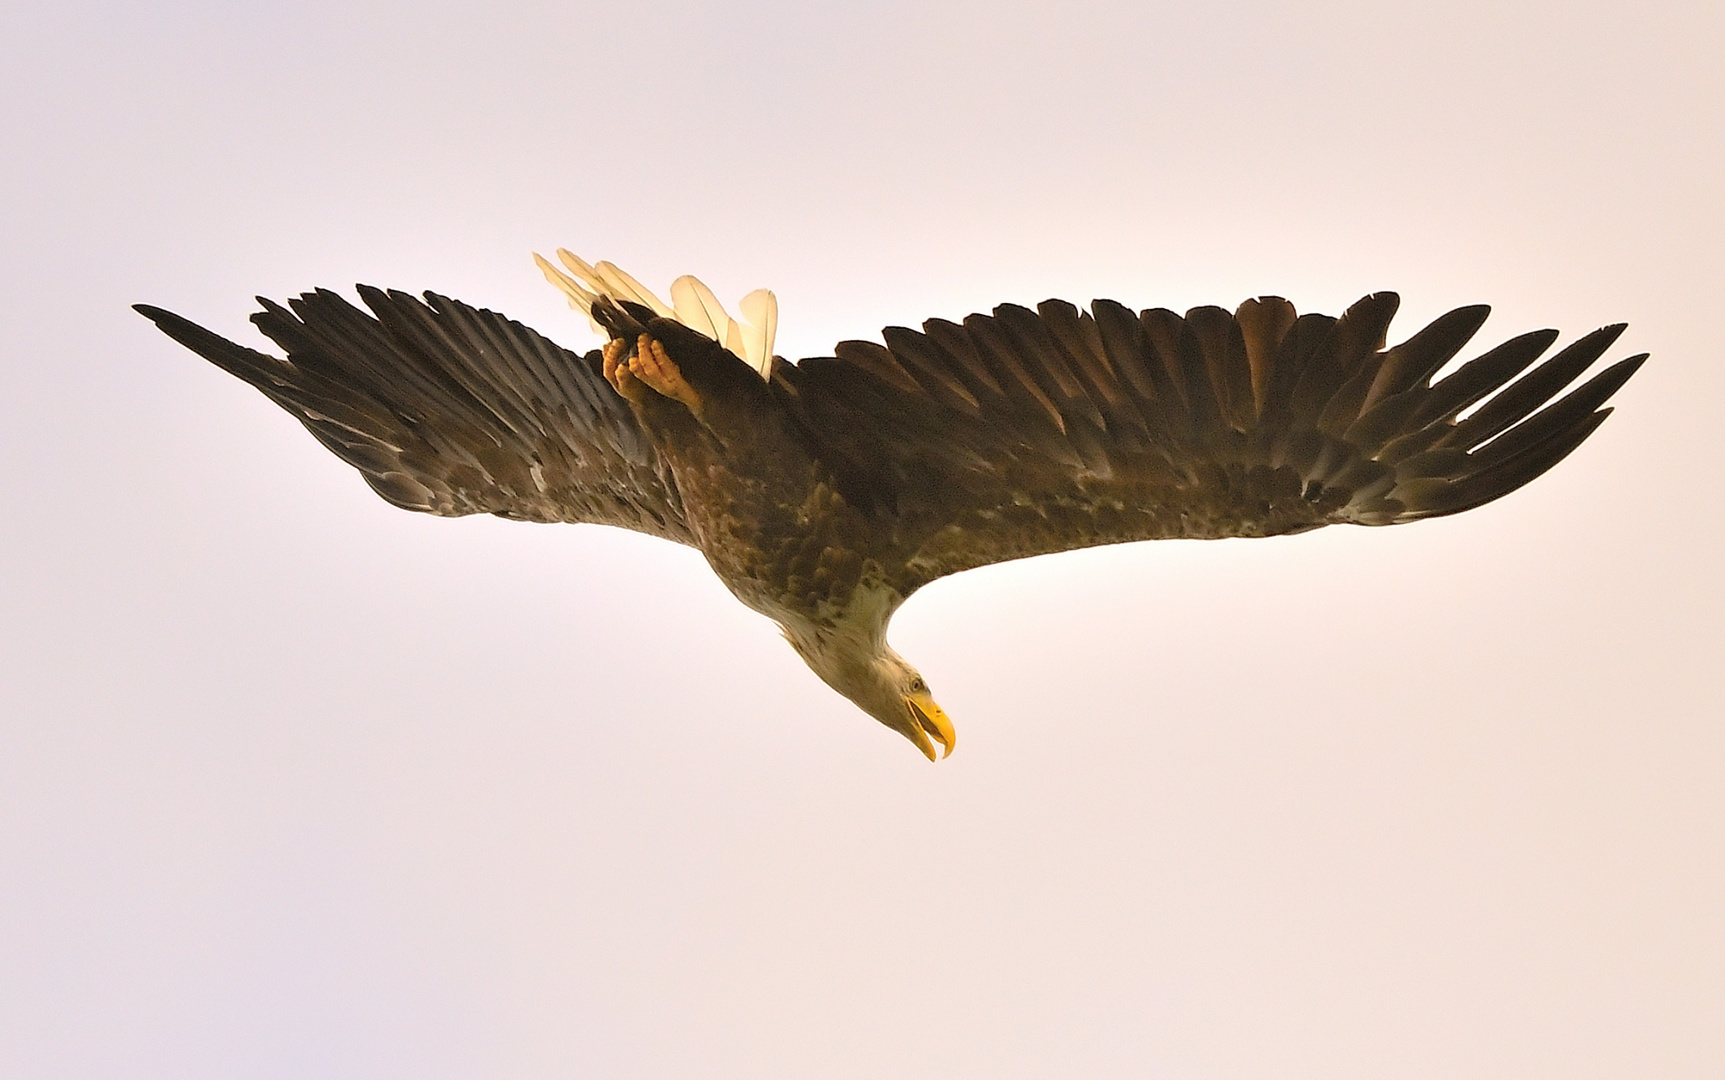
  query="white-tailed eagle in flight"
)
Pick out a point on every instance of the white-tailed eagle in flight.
point(825, 492)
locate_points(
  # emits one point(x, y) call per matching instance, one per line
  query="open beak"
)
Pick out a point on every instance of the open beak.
point(932, 719)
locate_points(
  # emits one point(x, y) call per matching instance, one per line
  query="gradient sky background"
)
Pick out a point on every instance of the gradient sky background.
point(293, 784)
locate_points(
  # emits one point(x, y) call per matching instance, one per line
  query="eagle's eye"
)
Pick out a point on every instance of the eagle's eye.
point(917, 686)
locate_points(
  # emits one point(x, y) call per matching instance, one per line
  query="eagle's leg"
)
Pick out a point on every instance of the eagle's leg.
point(616, 368)
point(647, 369)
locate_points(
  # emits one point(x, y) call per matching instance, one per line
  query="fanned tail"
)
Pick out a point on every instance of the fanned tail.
point(692, 304)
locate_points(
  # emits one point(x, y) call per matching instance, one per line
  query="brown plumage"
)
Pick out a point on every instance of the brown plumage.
point(827, 493)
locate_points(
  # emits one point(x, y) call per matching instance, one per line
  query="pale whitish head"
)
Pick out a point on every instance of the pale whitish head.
point(692, 304)
point(851, 655)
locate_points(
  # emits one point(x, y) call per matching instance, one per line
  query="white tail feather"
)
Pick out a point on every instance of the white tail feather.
point(589, 276)
point(697, 307)
point(692, 304)
point(734, 337)
point(626, 286)
point(579, 299)
point(761, 318)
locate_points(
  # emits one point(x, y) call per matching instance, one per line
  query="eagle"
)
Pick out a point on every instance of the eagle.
point(825, 492)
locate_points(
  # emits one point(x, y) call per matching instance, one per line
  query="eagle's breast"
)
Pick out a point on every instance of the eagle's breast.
point(768, 516)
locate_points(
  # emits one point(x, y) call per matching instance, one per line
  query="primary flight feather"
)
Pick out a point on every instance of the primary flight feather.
point(825, 492)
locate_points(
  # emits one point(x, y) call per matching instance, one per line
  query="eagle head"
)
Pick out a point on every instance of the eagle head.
point(879, 681)
point(899, 698)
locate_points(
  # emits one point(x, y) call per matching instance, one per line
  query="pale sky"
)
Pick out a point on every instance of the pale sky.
point(297, 785)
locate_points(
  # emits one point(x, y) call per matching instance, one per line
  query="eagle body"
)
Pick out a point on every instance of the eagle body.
point(762, 505)
point(824, 493)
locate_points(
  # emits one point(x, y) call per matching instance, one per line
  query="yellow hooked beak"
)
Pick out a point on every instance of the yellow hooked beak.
point(932, 719)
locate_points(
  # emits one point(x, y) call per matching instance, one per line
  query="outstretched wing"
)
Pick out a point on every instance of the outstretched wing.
point(452, 410)
point(1028, 432)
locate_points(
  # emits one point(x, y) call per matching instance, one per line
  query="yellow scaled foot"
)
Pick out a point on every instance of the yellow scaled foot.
point(618, 374)
point(650, 368)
